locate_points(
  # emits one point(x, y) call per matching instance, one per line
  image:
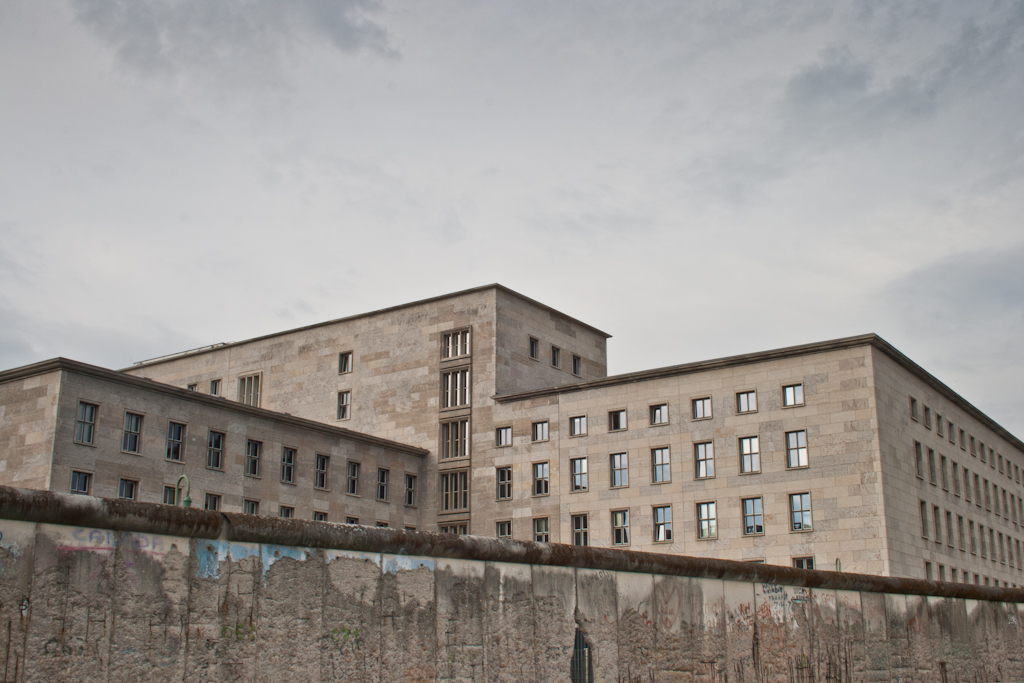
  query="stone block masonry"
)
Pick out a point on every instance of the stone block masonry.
point(103, 590)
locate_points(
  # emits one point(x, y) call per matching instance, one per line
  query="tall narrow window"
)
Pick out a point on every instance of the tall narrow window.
point(707, 520)
point(353, 479)
point(796, 449)
point(382, 483)
point(580, 530)
point(132, 441)
point(701, 408)
point(503, 529)
point(578, 466)
point(931, 467)
point(927, 417)
point(170, 495)
point(503, 437)
point(454, 491)
point(793, 395)
point(215, 450)
point(540, 479)
point(577, 365)
point(937, 518)
point(620, 470)
point(253, 451)
point(753, 516)
point(750, 454)
point(81, 482)
point(126, 489)
point(943, 473)
point(949, 528)
point(320, 479)
point(344, 362)
point(251, 507)
point(249, 390)
point(620, 527)
point(455, 388)
point(956, 480)
point(211, 502)
point(939, 425)
point(214, 387)
point(919, 459)
point(455, 439)
point(924, 519)
point(961, 535)
point(541, 530)
point(800, 509)
point(85, 426)
point(663, 524)
point(344, 405)
point(661, 471)
point(967, 485)
point(746, 402)
point(659, 414)
point(578, 425)
point(556, 357)
point(539, 431)
point(913, 408)
point(455, 344)
point(534, 348)
point(616, 420)
point(410, 490)
point(704, 460)
point(503, 481)
point(288, 465)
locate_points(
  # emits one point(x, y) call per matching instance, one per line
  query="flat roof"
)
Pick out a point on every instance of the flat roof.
point(145, 384)
point(775, 354)
point(474, 290)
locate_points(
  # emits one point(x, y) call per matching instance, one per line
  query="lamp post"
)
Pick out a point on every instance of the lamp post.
point(187, 502)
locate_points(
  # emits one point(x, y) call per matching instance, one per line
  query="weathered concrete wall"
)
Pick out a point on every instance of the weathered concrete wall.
point(139, 592)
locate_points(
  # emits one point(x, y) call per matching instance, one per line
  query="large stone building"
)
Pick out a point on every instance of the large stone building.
point(836, 454)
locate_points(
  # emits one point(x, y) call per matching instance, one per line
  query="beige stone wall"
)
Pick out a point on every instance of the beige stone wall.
point(28, 412)
point(842, 477)
point(108, 464)
point(905, 491)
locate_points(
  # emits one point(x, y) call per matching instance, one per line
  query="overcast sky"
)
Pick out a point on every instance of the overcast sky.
point(697, 179)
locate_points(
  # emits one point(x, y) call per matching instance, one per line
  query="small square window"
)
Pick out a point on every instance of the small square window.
point(251, 507)
point(578, 425)
point(127, 489)
point(170, 495)
point(803, 562)
point(344, 362)
point(663, 524)
point(793, 395)
point(746, 402)
point(285, 512)
point(214, 387)
point(503, 437)
point(503, 480)
point(616, 420)
point(659, 414)
point(556, 357)
point(344, 405)
point(539, 431)
point(503, 529)
point(192, 387)
point(211, 502)
point(81, 482)
point(541, 530)
point(578, 468)
point(620, 527)
point(701, 408)
point(352, 520)
point(85, 426)
point(319, 516)
point(534, 348)
point(577, 365)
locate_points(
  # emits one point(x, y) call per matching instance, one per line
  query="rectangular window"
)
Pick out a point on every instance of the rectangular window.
point(352, 520)
point(580, 530)
point(943, 469)
point(961, 535)
point(85, 426)
point(454, 491)
point(800, 509)
point(534, 348)
point(913, 408)
point(967, 485)
point(410, 490)
point(455, 439)
point(503, 437)
point(963, 440)
point(931, 467)
point(251, 507)
point(951, 431)
point(750, 455)
point(927, 417)
point(659, 414)
point(214, 387)
point(132, 441)
point(170, 495)
point(793, 395)
point(919, 459)
point(344, 405)
point(924, 519)
point(541, 530)
point(704, 460)
point(503, 481)
point(988, 497)
point(382, 483)
point(540, 479)
point(746, 402)
point(663, 524)
point(319, 516)
point(938, 425)
point(344, 362)
point(974, 540)
point(285, 512)
point(616, 420)
point(949, 529)
point(753, 516)
point(796, 449)
point(556, 357)
point(577, 365)
point(701, 408)
point(455, 344)
point(249, 390)
point(937, 519)
point(956, 480)
point(578, 425)
point(620, 527)
point(192, 387)
point(320, 478)
point(803, 562)
point(981, 537)
point(539, 431)
point(974, 450)
point(215, 450)
point(578, 467)
point(455, 388)
point(253, 451)
point(661, 471)
point(707, 520)
point(211, 502)
point(288, 465)
point(620, 470)
point(126, 489)
point(503, 529)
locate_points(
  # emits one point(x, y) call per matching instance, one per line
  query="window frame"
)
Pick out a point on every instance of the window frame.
point(215, 498)
point(137, 434)
point(537, 532)
point(132, 486)
point(703, 402)
point(622, 469)
point(252, 462)
point(752, 455)
point(344, 408)
point(210, 450)
point(805, 513)
point(173, 490)
point(455, 490)
point(459, 447)
point(346, 362)
point(463, 339)
point(746, 394)
point(753, 515)
point(579, 479)
point(352, 468)
point(288, 467)
point(546, 478)
point(410, 490)
point(250, 506)
point(665, 467)
point(653, 410)
point(580, 525)
point(556, 357)
point(281, 511)
point(503, 482)
point(534, 431)
point(254, 388)
point(574, 425)
point(498, 528)
point(806, 451)
point(698, 460)
point(533, 349)
point(456, 388)
point(664, 526)
point(796, 387)
point(320, 515)
point(620, 527)
point(498, 432)
point(804, 560)
point(383, 481)
point(577, 365)
point(321, 474)
point(216, 385)
point(88, 476)
point(81, 424)
point(624, 426)
point(710, 522)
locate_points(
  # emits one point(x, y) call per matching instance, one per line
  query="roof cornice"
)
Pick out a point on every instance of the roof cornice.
point(77, 367)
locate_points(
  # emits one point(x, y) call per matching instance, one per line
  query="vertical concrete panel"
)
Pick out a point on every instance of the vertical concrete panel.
point(709, 643)
point(783, 643)
point(290, 625)
point(597, 618)
point(678, 604)
point(150, 608)
point(554, 619)
point(508, 620)
point(897, 642)
point(636, 625)
point(738, 604)
point(223, 611)
point(460, 620)
point(72, 586)
point(408, 622)
point(850, 655)
point(351, 617)
point(827, 657)
point(920, 633)
point(875, 664)
point(17, 542)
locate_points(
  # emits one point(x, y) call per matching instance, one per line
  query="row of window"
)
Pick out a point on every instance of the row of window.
point(966, 442)
point(1007, 505)
point(556, 357)
point(999, 548)
point(956, 578)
